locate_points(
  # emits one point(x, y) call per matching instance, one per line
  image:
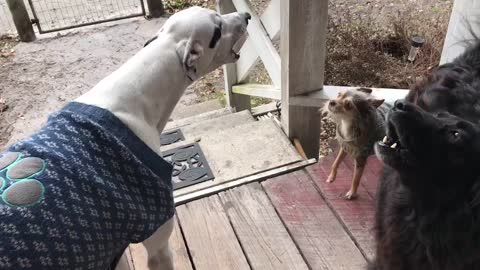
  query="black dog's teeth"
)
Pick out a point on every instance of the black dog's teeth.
point(388, 142)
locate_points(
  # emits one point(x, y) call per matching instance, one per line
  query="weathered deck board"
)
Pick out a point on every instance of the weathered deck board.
point(210, 238)
point(357, 215)
point(369, 178)
point(316, 230)
point(177, 246)
point(265, 240)
point(370, 175)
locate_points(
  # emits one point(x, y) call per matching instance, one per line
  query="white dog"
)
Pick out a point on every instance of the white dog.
point(91, 181)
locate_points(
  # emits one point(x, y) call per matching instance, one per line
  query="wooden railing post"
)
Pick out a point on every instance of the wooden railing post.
point(239, 102)
point(303, 46)
point(22, 21)
point(155, 8)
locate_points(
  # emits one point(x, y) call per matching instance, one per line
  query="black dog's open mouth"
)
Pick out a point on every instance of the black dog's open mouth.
point(393, 149)
point(391, 140)
point(235, 54)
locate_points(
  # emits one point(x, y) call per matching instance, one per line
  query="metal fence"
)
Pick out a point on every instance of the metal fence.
point(55, 15)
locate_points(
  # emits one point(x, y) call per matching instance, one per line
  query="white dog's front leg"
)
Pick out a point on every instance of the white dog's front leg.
point(158, 249)
point(123, 263)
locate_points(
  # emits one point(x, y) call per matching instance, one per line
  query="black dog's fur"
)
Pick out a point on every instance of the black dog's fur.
point(428, 211)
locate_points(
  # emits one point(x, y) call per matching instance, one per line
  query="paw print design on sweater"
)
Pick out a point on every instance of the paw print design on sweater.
point(18, 186)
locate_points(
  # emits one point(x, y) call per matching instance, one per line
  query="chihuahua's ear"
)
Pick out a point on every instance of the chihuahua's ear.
point(365, 90)
point(376, 102)
point(189, 51)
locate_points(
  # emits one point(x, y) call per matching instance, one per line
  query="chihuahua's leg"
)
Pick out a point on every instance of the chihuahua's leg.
point(357, 175)
point(340, 157)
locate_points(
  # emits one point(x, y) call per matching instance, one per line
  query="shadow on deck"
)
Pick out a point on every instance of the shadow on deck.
point(294, 221)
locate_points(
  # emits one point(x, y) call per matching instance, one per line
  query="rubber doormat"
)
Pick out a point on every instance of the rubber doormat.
point(171, 137)
point(190, 166)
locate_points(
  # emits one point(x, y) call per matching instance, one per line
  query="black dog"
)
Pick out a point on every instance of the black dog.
point(428, 212)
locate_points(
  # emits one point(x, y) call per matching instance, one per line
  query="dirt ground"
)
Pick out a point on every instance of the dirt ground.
point(40, 77)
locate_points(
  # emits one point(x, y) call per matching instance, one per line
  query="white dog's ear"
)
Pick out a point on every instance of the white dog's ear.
point(190, 51)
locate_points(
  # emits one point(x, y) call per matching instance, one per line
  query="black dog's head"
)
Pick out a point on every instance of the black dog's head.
point(452, 87)
point(430, 147)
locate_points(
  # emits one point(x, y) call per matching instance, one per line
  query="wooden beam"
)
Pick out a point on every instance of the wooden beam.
point(266, 108)
point(262, 42)
point(317, 98)
point(239, 102)
point(249, 56)
point(303, 45)
point(258, 90)
point(155, 8)
point(181, 199)
point(22, 21)
point(465, 14)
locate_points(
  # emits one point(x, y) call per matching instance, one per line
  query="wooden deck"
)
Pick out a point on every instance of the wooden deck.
point(294, 221)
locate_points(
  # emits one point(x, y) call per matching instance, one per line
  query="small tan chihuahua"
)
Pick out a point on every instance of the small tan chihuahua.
point(360, 122)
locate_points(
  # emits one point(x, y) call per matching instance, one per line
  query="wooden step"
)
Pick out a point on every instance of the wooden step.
point(182, 111)
point(243, 150)
point(197, 118)
point(228, 121)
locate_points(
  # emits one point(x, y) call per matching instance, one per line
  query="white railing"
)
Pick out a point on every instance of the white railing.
point(297, 73)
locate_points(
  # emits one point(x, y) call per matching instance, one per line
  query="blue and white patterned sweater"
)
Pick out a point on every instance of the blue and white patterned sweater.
point(75, 194)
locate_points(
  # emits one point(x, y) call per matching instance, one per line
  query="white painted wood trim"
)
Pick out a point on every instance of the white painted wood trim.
point(248, 59)
point(271, 19)
point(317, 98)
point(182, 199)
point(258, 90)
point(249, 56)
point(240, 103)
point(463, 12)
point(262, 42)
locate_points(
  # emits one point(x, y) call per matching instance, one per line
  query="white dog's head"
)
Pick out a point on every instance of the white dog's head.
point(205, 40)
